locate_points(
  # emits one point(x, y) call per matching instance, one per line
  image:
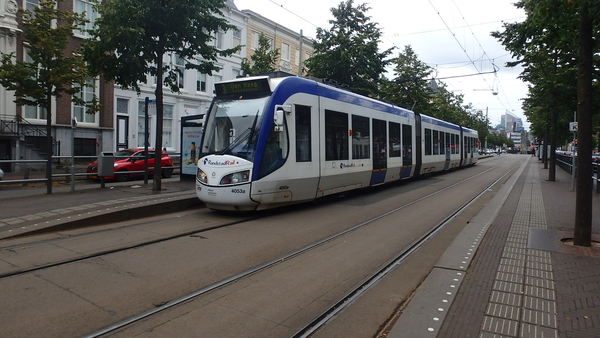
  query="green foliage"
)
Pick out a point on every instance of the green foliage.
point(264, 58)
point(409, 88)
point(52, 71)
point(412, 90)
point(498, 141)
point(545, 44)
point(349, 51)
point(132, 36)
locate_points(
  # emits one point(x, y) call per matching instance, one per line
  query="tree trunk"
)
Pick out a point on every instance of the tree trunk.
point(552, 151)
point(156, 183)
point(49, 142)
point(545, 143)
point(583, 207)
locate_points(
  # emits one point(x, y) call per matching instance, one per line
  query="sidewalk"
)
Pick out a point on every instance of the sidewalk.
point(26, 210)
point(509, 274)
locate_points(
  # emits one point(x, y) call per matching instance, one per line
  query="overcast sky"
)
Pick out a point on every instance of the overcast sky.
point(451, 36)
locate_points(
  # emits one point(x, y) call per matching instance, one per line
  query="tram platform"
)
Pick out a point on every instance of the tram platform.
point(29, 210)
point(511, 274)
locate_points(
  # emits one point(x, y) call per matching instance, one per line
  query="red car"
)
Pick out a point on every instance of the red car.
point(132, 160)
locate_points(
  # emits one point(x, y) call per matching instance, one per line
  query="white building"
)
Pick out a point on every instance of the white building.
point(196, 93)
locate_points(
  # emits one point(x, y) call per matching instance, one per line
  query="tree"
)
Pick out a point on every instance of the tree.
point(555, 44)
point(450, 107)
point(53, 71)
point(583, 205)
point(414, 89)
point(545, 45)
point(409, 88)
point(264, 58)
point(131, 39)
point(349, 51)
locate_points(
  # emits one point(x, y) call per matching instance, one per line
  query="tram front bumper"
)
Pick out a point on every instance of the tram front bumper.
point(229, 198)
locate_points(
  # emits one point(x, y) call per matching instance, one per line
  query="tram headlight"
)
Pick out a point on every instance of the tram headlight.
point(201, 176)
point(236, 178)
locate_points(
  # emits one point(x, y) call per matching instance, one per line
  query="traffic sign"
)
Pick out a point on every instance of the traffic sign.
point(573, 126)
point(151, 107)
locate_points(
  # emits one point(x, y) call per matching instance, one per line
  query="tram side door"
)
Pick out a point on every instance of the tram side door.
point(305, 135)
point(380, 151)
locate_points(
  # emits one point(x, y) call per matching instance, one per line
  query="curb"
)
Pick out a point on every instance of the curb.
point(113, 214)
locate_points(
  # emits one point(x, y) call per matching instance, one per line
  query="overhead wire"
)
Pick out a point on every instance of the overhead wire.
point(465, 50)
point(443, 29)
point(294, 14)
point(484, 58)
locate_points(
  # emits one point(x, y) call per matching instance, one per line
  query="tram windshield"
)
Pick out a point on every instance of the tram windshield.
point(232, 127)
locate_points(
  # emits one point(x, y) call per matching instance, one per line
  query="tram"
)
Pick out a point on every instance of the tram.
point(275, 141)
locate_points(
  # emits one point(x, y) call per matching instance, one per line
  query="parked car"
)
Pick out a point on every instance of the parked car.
point(1, 174)
point(130, 163)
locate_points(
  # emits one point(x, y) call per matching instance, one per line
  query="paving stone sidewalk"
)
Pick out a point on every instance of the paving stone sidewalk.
point(524, 281)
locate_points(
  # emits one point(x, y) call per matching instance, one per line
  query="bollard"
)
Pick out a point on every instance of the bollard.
point(597, 177)
point(26, 176)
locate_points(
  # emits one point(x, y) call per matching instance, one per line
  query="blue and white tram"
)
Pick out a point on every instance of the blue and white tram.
point(270, 142)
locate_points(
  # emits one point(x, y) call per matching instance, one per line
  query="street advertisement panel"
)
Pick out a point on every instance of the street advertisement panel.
point(191, 136)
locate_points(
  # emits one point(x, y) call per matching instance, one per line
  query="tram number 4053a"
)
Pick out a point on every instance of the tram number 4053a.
point(238, 191)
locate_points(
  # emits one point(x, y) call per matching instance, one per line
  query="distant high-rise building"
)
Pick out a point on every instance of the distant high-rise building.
point(511, 122)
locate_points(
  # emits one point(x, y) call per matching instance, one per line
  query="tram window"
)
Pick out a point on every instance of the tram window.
point(303, 139)
point(436, 142)
point(471, 142)
point(456, 144)
point(360, 137)
point(336, 136)
point(379, 144)
point(275, 152)
point(395, 138)
point(442, 143)
point(406, 144)
point(428, 145)
point(447, 146)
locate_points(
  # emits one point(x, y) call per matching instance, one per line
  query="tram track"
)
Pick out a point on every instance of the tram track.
point(340, 305)
point(143, 243)
point(324, 315)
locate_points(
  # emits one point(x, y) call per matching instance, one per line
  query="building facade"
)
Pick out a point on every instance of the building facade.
point(121, 124)
point(23, 128)
point(514, 129)
point(196, 93)
point(294, 48)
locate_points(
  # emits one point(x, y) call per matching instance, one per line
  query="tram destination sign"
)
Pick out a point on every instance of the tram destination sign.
point(256, 86)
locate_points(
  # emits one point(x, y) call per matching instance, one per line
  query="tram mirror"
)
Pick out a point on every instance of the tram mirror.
point(278, 116)
point(278, 119)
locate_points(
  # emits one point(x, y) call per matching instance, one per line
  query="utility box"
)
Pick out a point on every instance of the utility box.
point(106, 164)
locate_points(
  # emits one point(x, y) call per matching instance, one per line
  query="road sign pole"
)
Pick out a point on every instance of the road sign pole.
point(573, 127)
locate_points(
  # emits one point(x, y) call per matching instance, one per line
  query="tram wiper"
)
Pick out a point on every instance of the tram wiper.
point(239, 140)
point(248, 134)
